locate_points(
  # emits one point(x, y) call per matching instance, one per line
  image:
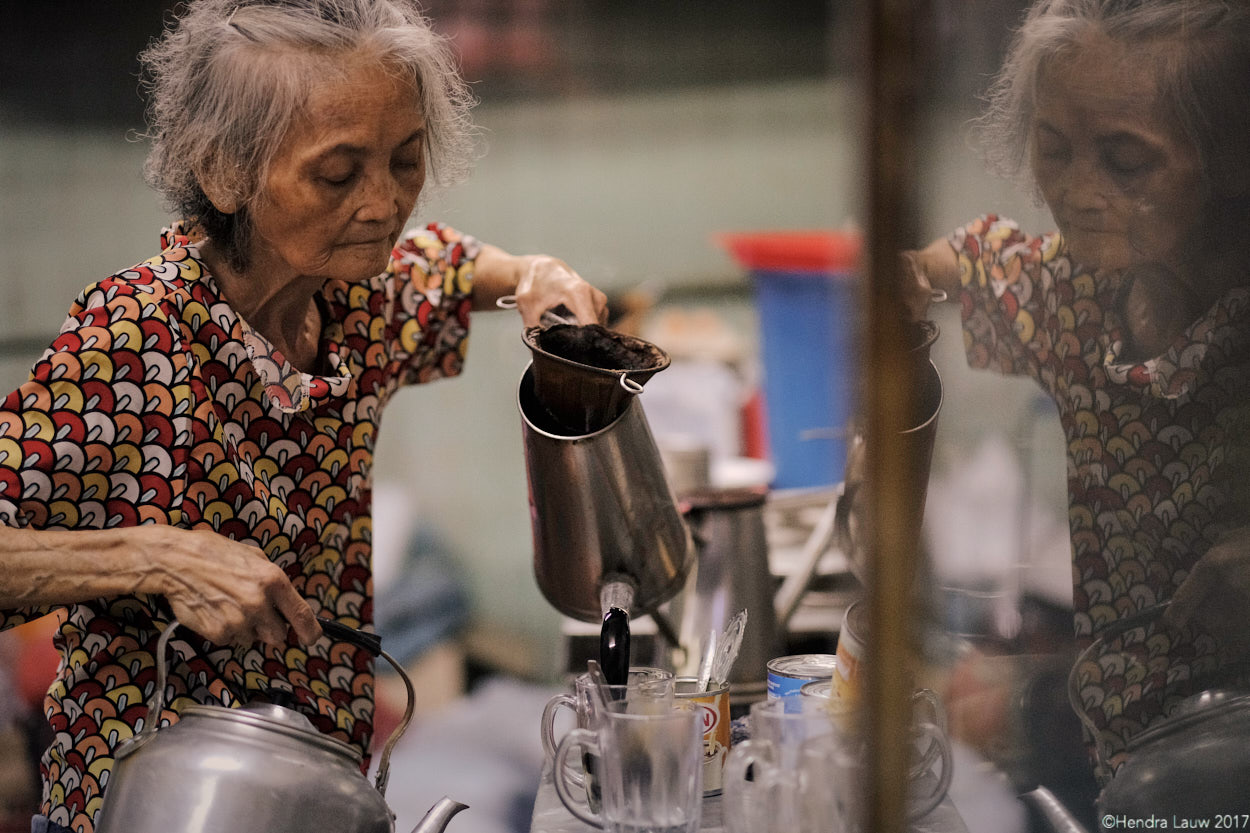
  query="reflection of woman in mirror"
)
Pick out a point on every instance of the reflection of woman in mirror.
point(1131, 118)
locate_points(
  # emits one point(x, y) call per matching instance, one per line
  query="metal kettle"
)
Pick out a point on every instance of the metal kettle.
point(1193, 763)
point(263, 767)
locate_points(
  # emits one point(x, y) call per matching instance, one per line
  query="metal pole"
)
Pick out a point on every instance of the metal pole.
point(894, 85)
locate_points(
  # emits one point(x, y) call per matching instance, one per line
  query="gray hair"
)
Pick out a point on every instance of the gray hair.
point(229, 77)
point(1203, 74)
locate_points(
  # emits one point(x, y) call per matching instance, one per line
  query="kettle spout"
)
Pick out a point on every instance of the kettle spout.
point(1059, 819)
point(435, 821)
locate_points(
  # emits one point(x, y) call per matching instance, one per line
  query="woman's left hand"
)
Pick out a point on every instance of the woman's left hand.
point(1216, 594)
point(540, 283)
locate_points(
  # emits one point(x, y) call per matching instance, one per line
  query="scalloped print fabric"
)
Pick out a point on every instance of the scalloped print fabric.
point(1158, 453)
point(156, 403)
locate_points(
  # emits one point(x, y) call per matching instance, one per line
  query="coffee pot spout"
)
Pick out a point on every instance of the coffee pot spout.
point(435, 821)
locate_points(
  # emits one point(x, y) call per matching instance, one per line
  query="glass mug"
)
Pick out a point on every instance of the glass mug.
point(804, 778)
point(645, 689)
point(766, 776)
point(649, 770)
point(930, 771)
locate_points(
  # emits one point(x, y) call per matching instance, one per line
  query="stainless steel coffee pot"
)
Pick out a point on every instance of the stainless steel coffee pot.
point(731, 574)
point(608, 535)
point(263, 767)
point(917, 443)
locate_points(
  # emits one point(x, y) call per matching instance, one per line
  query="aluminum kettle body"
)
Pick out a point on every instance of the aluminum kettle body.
point(237, 770)
point(263, 768)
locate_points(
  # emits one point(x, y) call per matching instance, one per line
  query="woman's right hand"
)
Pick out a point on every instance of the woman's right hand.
point(228, 592)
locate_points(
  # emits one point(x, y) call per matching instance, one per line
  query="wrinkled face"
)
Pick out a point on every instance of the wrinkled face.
point(343, 182)
point(1122, 183)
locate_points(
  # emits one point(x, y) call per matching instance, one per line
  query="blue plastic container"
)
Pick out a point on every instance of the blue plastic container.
point(805, 293)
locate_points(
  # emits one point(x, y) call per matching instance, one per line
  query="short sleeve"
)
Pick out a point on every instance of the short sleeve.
point(96, 437)
point(432, 272)
point(1008, 281)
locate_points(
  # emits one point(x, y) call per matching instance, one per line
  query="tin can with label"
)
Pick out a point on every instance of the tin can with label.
point(852, 643)
point(786, 675)
point(713, 706)
point(825, 693)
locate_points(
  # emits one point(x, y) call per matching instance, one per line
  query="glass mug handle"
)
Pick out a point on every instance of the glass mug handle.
point(933, 727)
point(937, 741)
point(937, 714)
point(745, 759)
point(588, 741)
point(547, 731)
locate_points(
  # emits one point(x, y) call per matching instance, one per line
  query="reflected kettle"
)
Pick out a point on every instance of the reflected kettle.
point(263, 767)
point(1193, 764)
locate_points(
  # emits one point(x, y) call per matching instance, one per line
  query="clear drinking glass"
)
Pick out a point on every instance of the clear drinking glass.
point(765, 774)
point(645, 689)
point(649, 770)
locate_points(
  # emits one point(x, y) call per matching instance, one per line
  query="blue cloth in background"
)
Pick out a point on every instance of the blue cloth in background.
point(426, 604)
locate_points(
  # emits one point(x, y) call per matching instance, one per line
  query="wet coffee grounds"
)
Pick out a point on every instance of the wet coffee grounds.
point(594, 345)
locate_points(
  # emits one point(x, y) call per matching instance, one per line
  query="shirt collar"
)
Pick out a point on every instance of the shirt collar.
point(1205, 345)
point(285, 388)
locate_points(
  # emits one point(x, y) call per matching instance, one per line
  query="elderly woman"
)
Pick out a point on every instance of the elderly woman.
point(1135, 318)
point(197, 441)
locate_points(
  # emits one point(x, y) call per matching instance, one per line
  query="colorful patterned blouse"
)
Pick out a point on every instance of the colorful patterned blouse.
point(1157, 454)
point(157, 403)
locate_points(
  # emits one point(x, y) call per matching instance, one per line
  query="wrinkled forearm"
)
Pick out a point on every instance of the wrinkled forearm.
point(495, 274)
point(64, 567)
point(227, 591)
point(941, 265)
point(539, 282)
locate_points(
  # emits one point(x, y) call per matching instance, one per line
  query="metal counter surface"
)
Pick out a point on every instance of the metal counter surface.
point(550, 816)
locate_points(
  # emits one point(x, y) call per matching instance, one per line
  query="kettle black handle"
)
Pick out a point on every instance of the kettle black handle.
point(370, 642)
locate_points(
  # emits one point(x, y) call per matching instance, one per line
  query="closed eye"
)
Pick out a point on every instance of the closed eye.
point(1126, 166)
point(1127, 156)
point(1051, 145)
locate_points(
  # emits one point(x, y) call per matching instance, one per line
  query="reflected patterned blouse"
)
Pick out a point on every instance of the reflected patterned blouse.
point(1157, 454)
point(157, 403)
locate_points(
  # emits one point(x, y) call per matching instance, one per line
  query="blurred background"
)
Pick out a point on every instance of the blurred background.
point(622, 137)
